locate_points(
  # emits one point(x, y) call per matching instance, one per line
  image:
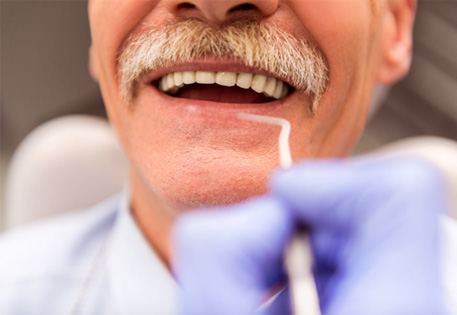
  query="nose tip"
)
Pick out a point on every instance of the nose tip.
point(222, 11)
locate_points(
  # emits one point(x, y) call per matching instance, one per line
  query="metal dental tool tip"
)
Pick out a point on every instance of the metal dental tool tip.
point(298, 255)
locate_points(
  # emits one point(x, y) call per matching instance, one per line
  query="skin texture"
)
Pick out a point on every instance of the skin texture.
point(207, 157)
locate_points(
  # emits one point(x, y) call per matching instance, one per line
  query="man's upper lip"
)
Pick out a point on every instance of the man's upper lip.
point(213, 66)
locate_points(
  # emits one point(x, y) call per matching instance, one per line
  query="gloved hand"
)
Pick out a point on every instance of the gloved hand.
point(374, 231)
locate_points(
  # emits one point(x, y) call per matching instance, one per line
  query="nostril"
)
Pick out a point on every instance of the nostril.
point(243, 7)
point(185, 6)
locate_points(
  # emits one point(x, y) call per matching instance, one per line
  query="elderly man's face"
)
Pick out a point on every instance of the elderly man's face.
point(169, 71)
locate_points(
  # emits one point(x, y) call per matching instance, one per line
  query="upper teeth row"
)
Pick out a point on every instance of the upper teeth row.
point(269, 86)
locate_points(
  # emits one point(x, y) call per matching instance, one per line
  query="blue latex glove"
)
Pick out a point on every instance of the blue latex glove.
point(374, 229)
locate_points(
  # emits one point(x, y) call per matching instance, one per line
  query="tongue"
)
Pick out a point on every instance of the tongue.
point(218, 93)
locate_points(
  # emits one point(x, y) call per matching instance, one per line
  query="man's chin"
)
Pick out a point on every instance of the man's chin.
point(212, 185)
point(213, 198)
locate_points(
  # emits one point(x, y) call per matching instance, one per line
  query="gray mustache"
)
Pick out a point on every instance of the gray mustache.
point(251, 43)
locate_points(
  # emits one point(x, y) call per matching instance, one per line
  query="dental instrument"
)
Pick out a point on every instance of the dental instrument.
point(298, 255)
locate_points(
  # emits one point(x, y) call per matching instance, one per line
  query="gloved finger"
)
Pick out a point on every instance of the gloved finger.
point(224, 258)
point(318, 192)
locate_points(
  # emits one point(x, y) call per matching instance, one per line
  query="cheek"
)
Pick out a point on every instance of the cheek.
point(111, 22)
point(342, 30)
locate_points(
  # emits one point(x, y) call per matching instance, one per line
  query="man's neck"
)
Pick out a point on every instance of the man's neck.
point(153, 218)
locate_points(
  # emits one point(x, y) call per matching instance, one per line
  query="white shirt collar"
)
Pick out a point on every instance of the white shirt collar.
point(140, 282)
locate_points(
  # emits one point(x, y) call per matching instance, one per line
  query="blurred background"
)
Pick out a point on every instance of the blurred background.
point(43, 75)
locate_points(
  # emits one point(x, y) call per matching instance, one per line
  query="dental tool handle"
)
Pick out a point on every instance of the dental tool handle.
point(298, 255)
point(298, 263)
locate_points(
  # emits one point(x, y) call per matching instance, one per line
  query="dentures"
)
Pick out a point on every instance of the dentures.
point(262, 84)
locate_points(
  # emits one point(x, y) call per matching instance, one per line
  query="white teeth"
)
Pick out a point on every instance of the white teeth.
point(171, 81)
point(226, 78)
point(163, 86)
point(271, 87)
point(258, 83)
point(244, 80)
point(178, 76)
point(188, 77)
point(205, 77)
point(278, 90)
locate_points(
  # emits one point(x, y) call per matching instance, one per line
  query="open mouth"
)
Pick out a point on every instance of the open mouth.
point(225, 87)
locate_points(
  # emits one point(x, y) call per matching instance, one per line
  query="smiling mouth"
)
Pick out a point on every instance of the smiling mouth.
point(223, 87)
